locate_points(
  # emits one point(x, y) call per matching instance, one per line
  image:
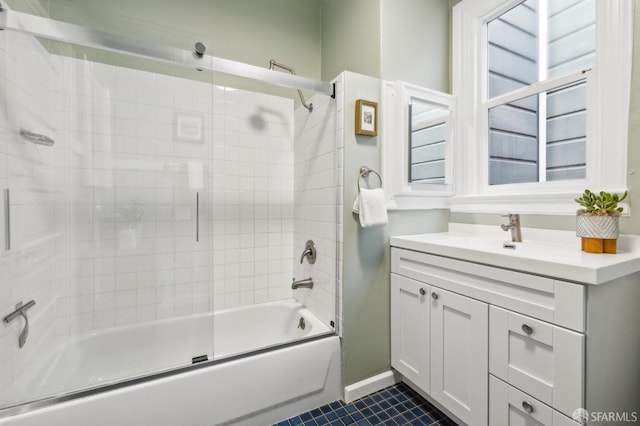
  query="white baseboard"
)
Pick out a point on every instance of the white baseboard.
point(370, 385)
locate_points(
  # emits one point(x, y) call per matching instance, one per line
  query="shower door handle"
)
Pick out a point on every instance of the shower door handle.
point(7, 219)
point(197, 216)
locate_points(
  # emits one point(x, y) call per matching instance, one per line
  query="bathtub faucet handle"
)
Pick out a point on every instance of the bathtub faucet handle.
point(309, 252)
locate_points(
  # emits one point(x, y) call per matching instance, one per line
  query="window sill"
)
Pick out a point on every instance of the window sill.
point(561, 204)
point(419, 202)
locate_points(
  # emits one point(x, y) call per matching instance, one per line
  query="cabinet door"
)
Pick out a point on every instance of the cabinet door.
point(410, 329)
point(543, 360)
point(459, 355)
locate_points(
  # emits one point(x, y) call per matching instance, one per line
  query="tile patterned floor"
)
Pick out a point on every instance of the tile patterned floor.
point(396, 405)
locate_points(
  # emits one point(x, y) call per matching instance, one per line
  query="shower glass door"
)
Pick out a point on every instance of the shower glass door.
point(108, 229)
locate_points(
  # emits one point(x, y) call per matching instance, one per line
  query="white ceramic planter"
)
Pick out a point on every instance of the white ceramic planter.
point(604, 227)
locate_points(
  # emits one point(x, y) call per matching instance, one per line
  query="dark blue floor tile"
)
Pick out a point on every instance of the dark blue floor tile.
point(408, 415)
point(383, 415)
point(326, 409)
point(331, 416)
point(322, 421)
point(335, 405)
point(396, 405)
point(418, 411)
point(392, 412)
point(347, 420)
point(357, 416)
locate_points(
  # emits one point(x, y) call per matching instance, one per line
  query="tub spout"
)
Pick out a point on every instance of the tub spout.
point(306, 283)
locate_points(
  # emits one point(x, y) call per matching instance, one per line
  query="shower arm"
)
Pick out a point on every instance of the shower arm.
point(273, 63)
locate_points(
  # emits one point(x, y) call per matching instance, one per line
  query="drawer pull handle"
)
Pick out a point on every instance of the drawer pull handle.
point(528, 330)
point(422, 292)
point(434, 296)
point(527, 407)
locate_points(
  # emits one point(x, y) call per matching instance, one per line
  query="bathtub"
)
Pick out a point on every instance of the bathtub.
point(256, 375)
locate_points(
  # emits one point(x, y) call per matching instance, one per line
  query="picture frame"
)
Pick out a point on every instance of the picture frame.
point(366, 118)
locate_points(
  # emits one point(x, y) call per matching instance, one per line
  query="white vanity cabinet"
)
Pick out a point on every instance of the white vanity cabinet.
point(495, 346)
point(438, 343)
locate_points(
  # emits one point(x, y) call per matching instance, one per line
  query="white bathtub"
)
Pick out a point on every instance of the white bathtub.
point(270, 385)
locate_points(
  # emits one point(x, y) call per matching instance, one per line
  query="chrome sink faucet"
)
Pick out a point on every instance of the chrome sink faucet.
point(513, 226)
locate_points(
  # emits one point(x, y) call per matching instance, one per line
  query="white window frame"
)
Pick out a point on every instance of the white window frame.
point(400, 193)
point(608, 93)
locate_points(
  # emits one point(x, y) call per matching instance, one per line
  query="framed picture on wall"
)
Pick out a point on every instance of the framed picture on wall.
point(366, 118)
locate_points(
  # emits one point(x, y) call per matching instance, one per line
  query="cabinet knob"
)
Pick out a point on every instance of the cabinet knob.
point(422, 291)
point(527, 407)
point(528, 330)
point(434, 296)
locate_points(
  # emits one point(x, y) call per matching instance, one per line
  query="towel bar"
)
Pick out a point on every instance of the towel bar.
point(364, 172)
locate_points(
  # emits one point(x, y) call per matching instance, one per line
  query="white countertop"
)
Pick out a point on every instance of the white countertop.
point(551, 253)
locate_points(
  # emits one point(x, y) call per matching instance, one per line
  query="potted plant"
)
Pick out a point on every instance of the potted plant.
point(597, 222)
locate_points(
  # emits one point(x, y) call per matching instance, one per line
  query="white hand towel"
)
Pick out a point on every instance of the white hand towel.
point(371, 206)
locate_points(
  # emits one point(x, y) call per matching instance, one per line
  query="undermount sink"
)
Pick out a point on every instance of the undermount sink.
point(542, 252)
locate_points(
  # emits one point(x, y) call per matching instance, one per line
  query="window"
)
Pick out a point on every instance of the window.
point(538, 137)
point(542, 101)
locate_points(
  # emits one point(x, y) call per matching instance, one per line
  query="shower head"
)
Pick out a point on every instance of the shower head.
point(199, 49)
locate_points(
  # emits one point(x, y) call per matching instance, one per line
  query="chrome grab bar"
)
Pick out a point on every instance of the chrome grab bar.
point(21, 310)
point(37, 138)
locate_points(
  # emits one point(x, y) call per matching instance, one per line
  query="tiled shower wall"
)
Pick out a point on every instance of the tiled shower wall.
point(144, 146)
point(315, 204)
point(117, 193)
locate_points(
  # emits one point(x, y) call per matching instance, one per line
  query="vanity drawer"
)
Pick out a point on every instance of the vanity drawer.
point(550, 300)
point(509, 406)
point(541, 359)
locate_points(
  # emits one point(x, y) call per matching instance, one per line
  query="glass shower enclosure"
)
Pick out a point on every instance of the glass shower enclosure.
point(140, 200)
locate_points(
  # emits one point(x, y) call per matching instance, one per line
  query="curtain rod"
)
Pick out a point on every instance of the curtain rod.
point(76, 34)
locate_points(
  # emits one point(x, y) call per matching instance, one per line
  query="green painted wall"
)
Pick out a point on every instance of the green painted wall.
point(350, 37)
point(414, 37)
point(366, 255)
